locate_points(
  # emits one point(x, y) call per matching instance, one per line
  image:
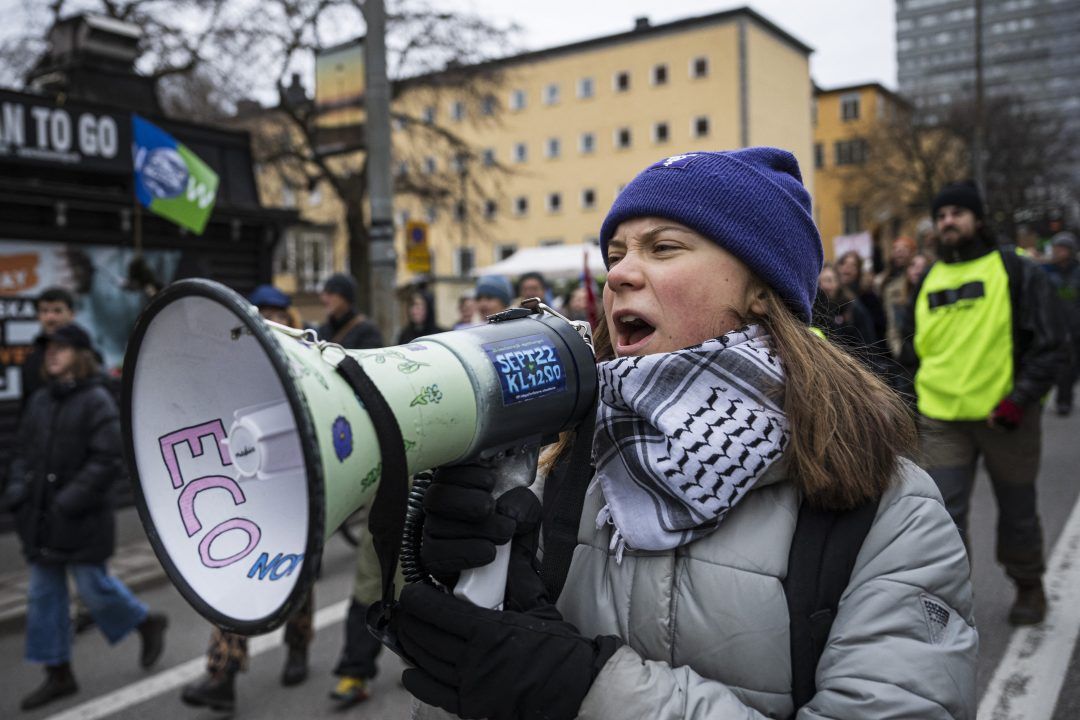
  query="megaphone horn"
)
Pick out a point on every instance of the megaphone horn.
point(247, 449)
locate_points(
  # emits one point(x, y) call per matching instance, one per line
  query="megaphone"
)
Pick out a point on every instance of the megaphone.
point(247, 449)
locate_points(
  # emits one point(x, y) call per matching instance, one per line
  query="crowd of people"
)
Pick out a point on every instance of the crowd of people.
point(756, 403)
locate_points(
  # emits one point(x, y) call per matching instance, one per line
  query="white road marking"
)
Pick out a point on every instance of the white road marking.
point(1029, 678)
point(174, 677)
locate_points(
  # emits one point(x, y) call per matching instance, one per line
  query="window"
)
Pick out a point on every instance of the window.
point(517, 100)
point(551, 242)
point(429, 114)
point(849, 106)
point(660, 132)
point(460, 211)
point(588, 198)
point(431, 213)
point(552, 148)
point(504, 251)
point(488, 157)
point(554, 202)
point(813, 112)
point(587, 145)
point(429, 165)
point(488, 105)
point(551, 94)
point(622, 138)
point(288, 196)
point(464, 261)
point(491, 208)
point(397, 123)
point(586, 88)
point(622, 81)
point(852, 224)
point(521, 205)
point(701, 126)
point(850, 152)
point(819, 155)
point(457, 111)
point(699, 67)
point(521, 152)
point(306, 255)
point(402, 169)
point(660, 74)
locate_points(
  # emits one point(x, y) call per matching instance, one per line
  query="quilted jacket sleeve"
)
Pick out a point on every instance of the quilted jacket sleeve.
point(903, 644)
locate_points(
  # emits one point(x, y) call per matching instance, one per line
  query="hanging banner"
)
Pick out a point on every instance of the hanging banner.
point(170, 180)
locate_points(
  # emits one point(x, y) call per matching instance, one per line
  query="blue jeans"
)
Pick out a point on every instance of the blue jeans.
point(115, 610)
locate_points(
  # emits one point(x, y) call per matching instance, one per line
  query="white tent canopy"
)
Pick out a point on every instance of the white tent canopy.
point(555, 262)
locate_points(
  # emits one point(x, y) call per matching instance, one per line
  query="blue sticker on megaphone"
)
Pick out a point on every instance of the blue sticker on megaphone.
point(528, 367)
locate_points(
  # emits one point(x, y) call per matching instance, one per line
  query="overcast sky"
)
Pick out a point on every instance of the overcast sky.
point(854, 40)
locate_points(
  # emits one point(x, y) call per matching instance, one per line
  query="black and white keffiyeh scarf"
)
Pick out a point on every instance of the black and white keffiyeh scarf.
point(683, 436)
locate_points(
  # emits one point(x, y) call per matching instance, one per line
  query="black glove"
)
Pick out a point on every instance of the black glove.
point(461, 527)
point(480, 663)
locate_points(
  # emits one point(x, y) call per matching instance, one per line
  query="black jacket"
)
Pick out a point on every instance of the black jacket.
point(363, 334)
point(67, 455)
point(1039, 336)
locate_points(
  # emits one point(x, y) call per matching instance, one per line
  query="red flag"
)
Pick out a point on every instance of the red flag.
point(590, 294)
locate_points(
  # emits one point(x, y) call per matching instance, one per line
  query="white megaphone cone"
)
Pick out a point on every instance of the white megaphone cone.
point(247, 449)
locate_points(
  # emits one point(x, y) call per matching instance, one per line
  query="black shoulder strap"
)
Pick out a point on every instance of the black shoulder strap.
point(564, 496)
point(386, 520)
point(822, 556)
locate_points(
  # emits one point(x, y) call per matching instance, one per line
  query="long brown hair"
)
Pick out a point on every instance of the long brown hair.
point(848, 428)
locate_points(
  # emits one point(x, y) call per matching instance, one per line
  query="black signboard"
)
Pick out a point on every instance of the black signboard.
point(39, 131)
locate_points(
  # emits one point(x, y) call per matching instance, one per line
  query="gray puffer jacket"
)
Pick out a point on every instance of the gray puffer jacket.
point(706, 625)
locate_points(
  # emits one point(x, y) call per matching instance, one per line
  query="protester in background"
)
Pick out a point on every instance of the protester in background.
point(850, 270)
point(840, 315)
point(466, 306)
point(903, 249)
point(66, 457)
point(344, 326)
point(576, 306)
point(533, 284)
point(988, 341)
point(493, 294)
point(421, 319)
point(357, 664)
point(896, 296)
point(720, 416)
point(228, 652)
point(55, 307)
point(1064, 273)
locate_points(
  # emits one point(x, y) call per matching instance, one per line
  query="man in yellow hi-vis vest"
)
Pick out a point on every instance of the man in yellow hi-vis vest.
point(988, 342)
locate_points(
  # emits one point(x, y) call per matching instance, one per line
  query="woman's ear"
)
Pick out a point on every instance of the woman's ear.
point(757, 295)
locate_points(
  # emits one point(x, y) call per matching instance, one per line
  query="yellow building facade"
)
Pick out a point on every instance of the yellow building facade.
point(576, 123)
point(846, 121)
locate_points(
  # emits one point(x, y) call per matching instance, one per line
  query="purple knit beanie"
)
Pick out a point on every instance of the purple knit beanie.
point(750, 202)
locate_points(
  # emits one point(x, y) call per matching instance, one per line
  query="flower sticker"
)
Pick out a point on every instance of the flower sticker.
point(429, 395)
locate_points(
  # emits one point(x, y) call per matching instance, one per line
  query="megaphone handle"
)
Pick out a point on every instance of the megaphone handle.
point(486, 586)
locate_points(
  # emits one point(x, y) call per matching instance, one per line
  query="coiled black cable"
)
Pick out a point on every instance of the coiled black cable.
point(412, 569)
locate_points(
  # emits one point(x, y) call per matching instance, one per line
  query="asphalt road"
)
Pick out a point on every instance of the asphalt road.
point(113, 674)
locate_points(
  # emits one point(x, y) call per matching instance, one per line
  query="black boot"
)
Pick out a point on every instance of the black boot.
point(152, 633)
point(59, 682)
point(296, 667)
point(217, 692)
point(1030, 605)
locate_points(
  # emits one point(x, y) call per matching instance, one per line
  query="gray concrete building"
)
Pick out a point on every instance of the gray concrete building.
point(1031, 49)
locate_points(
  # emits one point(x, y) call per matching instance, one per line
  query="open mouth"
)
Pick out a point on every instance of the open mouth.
point(632, 333)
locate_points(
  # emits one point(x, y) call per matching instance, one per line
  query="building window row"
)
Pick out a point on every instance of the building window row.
point(623, 138)
point(850, 152)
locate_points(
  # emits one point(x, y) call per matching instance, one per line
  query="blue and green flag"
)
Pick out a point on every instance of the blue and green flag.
point(170, 180)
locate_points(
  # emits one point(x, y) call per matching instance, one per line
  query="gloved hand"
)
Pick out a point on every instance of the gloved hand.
point(480, 663)
point(461, 526)
point(1007, 415)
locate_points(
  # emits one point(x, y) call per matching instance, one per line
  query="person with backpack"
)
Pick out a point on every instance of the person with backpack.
point(988, 343)
point(65, 459)
point(747, 537)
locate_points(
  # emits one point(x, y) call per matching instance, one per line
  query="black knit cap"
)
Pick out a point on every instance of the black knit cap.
point(963, 194)
point(343, 285)
point(71, 335)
